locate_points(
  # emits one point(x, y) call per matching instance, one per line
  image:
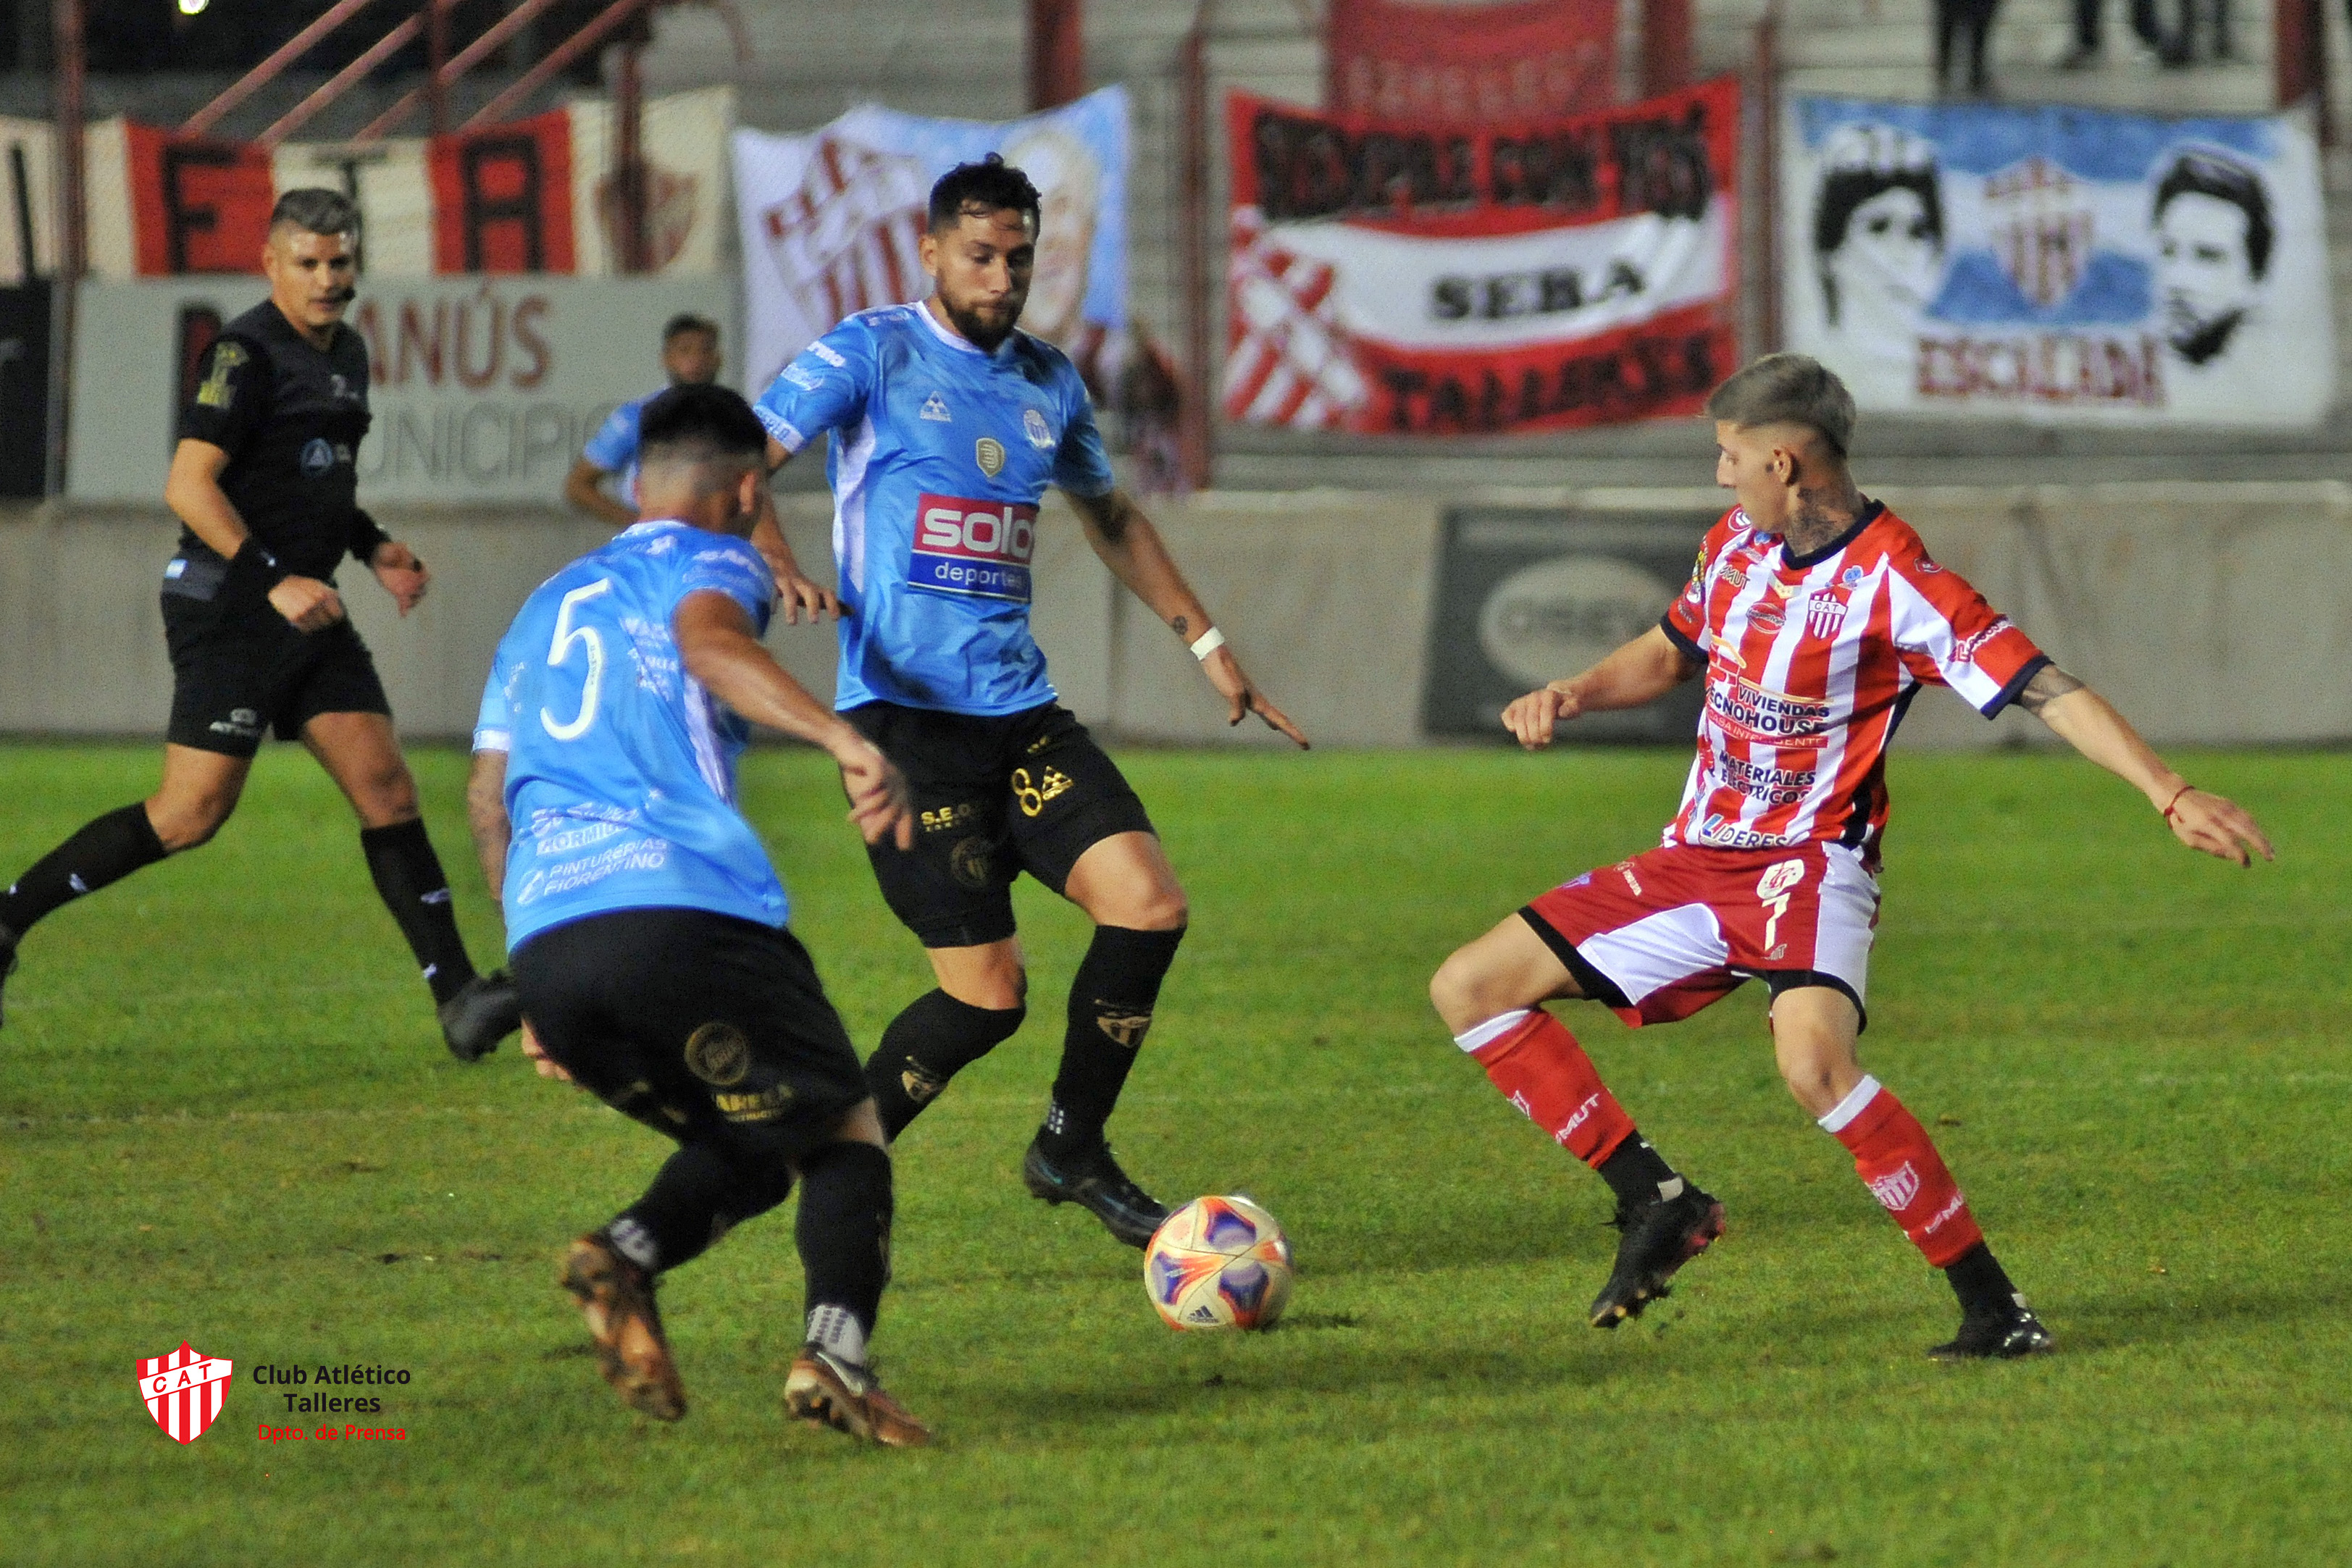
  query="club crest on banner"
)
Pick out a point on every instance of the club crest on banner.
point(184, 1390)
point(2041, 225)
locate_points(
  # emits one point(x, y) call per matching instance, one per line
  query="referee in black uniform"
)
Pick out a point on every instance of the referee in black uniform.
point(265, 485)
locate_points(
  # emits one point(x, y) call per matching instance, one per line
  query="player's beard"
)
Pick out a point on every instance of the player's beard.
point(984, 332)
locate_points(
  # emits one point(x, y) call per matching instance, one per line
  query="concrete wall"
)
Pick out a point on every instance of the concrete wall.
point(2211, 613)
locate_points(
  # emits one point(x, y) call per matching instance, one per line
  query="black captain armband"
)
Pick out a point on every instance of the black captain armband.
point(250, 557)
point(366, 538)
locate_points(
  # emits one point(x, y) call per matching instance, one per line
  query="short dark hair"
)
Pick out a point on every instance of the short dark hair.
point(1786, 389)
point(2227, 179)
point(696, 424)
point(314, 209)
point(687, 321)
point(988, 186)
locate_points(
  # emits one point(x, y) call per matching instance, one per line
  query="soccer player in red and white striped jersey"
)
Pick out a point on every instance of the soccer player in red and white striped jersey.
point(1815, 616)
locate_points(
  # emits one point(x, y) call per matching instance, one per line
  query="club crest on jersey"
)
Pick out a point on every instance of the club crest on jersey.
point(1034, 426)
point(935, 409)
point(988, 453)
point(980, 550)
point(1825, 615)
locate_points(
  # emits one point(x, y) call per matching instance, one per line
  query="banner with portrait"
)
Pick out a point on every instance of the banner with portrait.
point(832, 219)
point(2059, 266)
point(1404, 278)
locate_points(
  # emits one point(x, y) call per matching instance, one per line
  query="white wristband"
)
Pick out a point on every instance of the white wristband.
point(1208, 643)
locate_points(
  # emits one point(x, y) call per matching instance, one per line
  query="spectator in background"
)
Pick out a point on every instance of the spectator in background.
point(2145, 25)
point(1964, 24)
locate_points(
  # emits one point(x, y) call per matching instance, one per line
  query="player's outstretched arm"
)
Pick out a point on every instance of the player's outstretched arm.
point(193, 492)
point(1642, 670)
point(723, 651)
point(798, 589)
point(2089, 723)
point(1127, 543)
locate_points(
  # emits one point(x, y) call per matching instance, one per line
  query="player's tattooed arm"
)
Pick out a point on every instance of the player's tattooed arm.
point(2049, 683)
point(1125, 538)
point(486, 814)
point(2090, 723)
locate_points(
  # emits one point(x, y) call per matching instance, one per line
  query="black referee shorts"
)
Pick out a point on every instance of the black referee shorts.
point(237, 671)
point(994, 798)
point(705, 1028)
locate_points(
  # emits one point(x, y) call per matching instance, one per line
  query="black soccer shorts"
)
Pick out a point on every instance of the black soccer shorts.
point(994, 798)
point(703, 1027)
point(239, 671)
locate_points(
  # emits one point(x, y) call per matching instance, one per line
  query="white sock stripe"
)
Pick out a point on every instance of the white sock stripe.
point(1492, 1029)
point(1852, 1106)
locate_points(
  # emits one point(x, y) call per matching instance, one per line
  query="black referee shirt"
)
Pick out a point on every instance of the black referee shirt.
point(290, 418)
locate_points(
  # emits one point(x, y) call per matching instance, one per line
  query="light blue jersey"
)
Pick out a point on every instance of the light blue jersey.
point(941, 455)
point(613, 447)
point(620, 766)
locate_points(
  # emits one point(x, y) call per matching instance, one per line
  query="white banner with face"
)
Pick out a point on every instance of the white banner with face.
point(2058, 265)
point(832, 220)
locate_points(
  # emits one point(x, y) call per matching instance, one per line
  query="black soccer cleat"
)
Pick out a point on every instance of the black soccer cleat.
point(1095, 1182)
point(1660, 1236)
point(2009, 1333)
point(485, 1011)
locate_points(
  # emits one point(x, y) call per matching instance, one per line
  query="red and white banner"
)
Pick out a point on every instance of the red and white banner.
point(1389, 278)
point(184, 1390)
point(1492, 64)
point(532, 196)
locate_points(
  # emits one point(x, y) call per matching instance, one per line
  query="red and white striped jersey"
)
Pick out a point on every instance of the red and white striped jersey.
point(1811, 662)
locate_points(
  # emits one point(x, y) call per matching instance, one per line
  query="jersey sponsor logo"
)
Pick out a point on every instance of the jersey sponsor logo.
point(1765, 617)
point(317, 455)
point(1719, 831)
point(1727, 650)
point(1925, 567)
point(825, 351)
point(801, 376)
point(1778, 878)
point(1746, 711)
point(935, 409)
point(1851, 577)
point(981, 549)
point(1966, 650)
point(1041, 434)
point(988, 453)
point(1773, 786)
point(1032, 796)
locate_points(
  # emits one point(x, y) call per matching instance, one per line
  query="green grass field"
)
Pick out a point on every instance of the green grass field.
point(224, 1116)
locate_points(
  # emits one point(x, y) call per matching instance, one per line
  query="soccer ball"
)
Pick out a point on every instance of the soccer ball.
point(1218, 1263)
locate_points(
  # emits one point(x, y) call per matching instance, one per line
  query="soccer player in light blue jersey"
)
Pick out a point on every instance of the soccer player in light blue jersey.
point(947, 424)
point(690, 358)
point(647, 926)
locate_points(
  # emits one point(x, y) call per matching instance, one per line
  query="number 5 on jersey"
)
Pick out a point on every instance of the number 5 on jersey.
point(559, 650)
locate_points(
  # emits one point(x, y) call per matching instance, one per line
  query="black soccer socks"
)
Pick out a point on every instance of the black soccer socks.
point(1638, 1174)
point(844, 1232)
point(105, 849)
point(1980, 1282)
point(935, 1038)
point(698, 1196)
point(1111, 1001)
point(409, 879)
